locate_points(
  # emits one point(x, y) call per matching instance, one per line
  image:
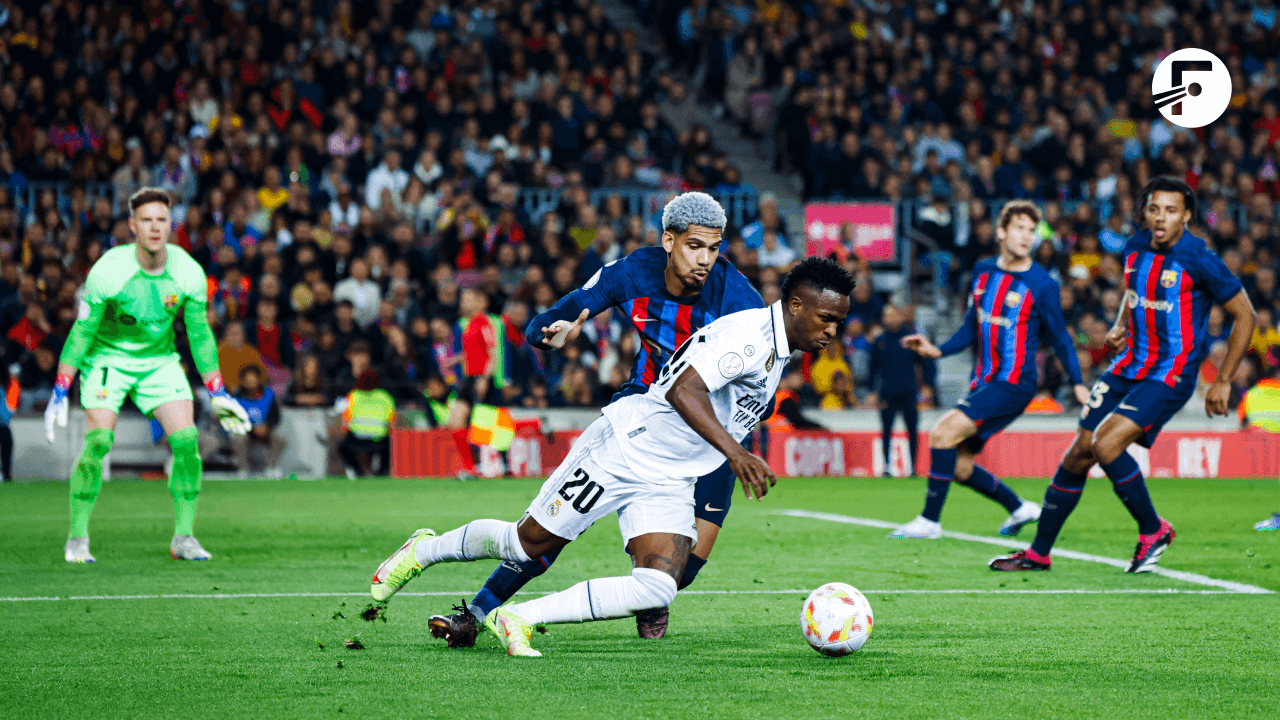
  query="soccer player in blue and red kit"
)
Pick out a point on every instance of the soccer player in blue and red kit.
point(1172, 279)
point(667, 293)
point(1014, 302)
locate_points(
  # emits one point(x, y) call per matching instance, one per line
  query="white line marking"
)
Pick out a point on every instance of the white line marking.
point(463, 593)
point(1057, 552)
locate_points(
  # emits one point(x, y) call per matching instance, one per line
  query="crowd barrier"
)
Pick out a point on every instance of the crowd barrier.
point(1187, 454)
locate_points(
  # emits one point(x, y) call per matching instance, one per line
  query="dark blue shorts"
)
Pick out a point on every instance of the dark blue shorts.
point(1148, 403)
point(992, 407)
point(713, 492)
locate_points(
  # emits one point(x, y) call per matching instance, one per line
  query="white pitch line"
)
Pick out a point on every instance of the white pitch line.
point(1198, 579)
point(463, 593)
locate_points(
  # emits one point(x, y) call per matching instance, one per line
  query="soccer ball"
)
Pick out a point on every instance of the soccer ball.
point(836, 619)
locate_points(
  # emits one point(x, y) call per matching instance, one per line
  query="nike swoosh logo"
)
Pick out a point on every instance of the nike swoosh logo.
point(1127, 407)
point(639, 319)
point(711, 509)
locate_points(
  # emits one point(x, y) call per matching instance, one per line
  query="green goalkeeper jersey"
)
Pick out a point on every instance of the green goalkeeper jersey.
point(125, 318)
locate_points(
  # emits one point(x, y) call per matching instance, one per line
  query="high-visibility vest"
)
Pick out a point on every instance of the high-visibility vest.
point(491, 426)
point(1260, 407)
point(369, 413)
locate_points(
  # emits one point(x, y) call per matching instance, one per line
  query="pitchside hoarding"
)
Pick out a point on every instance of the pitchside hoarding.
point(1247, 454)
point(864, 228)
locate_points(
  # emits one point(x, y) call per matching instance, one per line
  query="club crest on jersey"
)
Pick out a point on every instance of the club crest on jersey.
point(102, 394)
point(749, 350)
point(1011, 299)
point(1168, 278)
point(553, 508)
point(170, 301)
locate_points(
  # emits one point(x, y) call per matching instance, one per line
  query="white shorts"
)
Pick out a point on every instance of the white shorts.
point(594, 481)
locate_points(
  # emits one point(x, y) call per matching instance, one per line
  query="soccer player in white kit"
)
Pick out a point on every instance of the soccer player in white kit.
point(641, 459)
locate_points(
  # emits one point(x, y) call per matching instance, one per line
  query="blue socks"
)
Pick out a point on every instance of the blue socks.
point(1130, 486)
point(942, 468)
point(1059, 500)
point(507, 580)
point(691, 569)
point(984, 482)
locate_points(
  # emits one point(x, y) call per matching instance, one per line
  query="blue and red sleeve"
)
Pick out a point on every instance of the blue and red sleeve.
point(1049, 305)
point(606, 289)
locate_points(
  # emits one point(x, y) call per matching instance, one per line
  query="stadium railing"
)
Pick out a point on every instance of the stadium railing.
point(740, 206)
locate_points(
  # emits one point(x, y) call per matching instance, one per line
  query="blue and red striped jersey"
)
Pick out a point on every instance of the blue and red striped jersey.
point(1170, 294)
point(1010, 315)
point(636, 286)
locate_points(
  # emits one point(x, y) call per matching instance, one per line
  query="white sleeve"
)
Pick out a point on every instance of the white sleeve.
point(726, 352)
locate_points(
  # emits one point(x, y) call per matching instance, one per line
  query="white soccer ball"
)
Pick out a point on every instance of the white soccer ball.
point(836, 619)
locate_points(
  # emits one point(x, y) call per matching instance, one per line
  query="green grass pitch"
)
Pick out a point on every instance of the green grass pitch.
point(998, 653)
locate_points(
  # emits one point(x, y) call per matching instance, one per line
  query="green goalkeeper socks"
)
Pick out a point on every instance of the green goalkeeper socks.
point(86, 479)
point(184, 479)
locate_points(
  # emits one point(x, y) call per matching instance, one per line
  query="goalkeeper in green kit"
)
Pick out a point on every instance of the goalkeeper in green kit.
point(122, 342)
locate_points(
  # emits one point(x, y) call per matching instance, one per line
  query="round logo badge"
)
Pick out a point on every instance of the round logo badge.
point(749, 350)
point(1191, 87)
point(730, 365)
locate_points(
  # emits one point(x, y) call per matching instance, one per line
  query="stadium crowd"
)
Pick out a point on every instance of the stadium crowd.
point(349, 173)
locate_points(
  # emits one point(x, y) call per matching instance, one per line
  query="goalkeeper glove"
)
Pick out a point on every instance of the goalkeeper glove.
point(229, 412)
point(56, 410)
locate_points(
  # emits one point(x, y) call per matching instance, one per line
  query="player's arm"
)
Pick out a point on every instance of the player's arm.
point(961, 340)
point(1118, 336)
point(1241, 312)
point(691, 398)
point(563, 321)
point(80, 341)
point(1050, 307)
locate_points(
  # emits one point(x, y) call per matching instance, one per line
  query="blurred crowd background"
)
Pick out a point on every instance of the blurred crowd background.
point(354, 176)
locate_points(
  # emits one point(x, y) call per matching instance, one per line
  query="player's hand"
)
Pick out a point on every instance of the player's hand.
point(1215, 401)
point(55, 411)
point(754, 473)
point(921, 345)
point(1117, 340)
point(1082, 394)
point(561, 331)
point(231, 414)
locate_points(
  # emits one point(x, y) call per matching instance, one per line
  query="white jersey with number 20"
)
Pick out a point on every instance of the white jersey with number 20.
point(741, 358)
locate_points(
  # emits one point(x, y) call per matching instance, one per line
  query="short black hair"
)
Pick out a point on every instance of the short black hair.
point(1167, 184)
point(820, 273)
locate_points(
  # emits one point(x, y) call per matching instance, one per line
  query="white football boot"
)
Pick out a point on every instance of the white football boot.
point(77, 551)
point(921, 527)
point(1028, 512)
point(186, 547)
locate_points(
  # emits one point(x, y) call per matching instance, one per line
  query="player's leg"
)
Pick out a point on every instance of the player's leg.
point(102, 390)
point(185, 477)
point(577, 494)
point(1063, 493)
point(1145, 410)
point(952, 429)
point(980, 480)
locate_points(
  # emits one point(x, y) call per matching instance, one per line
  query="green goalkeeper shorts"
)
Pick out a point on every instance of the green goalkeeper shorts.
point(104, 387)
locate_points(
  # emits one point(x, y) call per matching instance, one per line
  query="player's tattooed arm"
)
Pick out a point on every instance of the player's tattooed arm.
point(1243, 318)
point(690, 398)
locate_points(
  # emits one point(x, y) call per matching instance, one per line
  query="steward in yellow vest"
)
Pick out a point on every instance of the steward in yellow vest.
point(368, 416)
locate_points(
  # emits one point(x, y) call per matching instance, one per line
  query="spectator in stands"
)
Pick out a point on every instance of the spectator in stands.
point(260, 403)
point(362, 293)
point(39, 371)
point(367, 414)
point(234, 355)
point(309, 385)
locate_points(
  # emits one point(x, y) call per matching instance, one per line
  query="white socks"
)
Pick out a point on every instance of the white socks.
point(476, 540)
point(602, 599)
